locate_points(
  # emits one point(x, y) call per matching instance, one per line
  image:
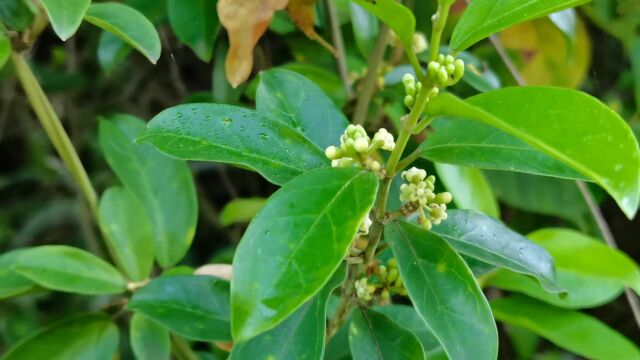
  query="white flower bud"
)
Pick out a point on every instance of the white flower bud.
point(332, 153)
point(419, 42)
point(361, 144)
point(365, 225)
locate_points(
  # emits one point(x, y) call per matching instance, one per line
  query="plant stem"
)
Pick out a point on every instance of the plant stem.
point(338, 42)
point(439, 21)
point(181, 350)
point(371, 79)
point(54, 129)
point(603, 227)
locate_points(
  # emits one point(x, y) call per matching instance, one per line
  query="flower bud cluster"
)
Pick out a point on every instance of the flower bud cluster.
point(364, 290)
point(413, 89)
point(385, 281)
point(418, 192)
point(445, 71)
point(356, 148)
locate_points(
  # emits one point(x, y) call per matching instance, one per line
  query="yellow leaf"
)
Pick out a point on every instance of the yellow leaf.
point(546, 59)
point(303, 14)
point(246, 21)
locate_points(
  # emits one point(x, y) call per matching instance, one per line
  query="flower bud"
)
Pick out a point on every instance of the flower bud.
point(441, 58)
point(450, 69)
point(444, 198)
point(332, 153)
point(408, 79)
point(410, 89)
point(448, 60)
point(419, 42)
point(361, 144)
point(432, 69)
point(408, 101)
point(443, 76)
point(459, 69)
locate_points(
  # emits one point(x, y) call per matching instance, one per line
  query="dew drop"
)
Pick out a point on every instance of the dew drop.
point(263, 136)
point(227, 121)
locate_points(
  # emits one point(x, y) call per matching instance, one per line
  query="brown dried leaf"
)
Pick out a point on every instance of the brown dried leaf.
point(246, 21)
point(303, 14)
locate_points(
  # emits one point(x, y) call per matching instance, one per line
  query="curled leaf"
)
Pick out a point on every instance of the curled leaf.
point(303, 14)
point(246, 21)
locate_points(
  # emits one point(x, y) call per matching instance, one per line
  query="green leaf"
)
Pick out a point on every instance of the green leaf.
point(477, 73)
point(301, 336)
point(398, 17)
point(240, 210)
point(164, 186)
point(365, 28)
point(11, 282)
point(234, 135)
point(595, 141)
point(541, 195)
point(326, 80)
point(195, 23)
point(127, 232)
point(91, 336)
point(5, 49)
point(571, 330)
point(196, 307)
point(471, 189)
point(111, 51)
point(68, 269)
point(373, 336)
point(484, 238)
point(294, 245)
point(149, 341)
point(65, 15)
point(471, 143)
point(17, 14)
point(408, 318)
point(444, 292)
point(297, 101)
point(485, 17)
point(589, 280)
point(634, 58)
point(128, 24)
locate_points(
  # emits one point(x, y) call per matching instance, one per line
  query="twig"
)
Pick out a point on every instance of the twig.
point(603, 227)
point(371, 79)
point(338, 42)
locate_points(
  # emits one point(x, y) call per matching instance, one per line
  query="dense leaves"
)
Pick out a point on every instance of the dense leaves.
point(65, 268)
point(575, 115)
point(234, 135)
point(196, 307)
point(574, 331)
point(434, 273)
point(163, 186)
point(294, 245)
point(91, 336)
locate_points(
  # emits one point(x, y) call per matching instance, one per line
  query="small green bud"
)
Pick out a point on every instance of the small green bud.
point(385, 295)
point(408, 101)
point(441, 58)
point(361, 144)
point(410, 89)
point(408, 79)
point(393, 263)
point(433, 92)
point(432, 69)
point(393, 275)
point(444, 198)
point(450, 69)
point(426, 224)
point(431, 179)
point(443, 76)
point(449, 60)
point(459, 69)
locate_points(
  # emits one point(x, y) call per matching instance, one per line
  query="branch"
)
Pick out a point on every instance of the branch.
point(338, 42)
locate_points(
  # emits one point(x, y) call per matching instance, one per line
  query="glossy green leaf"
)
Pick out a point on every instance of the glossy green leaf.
point(408, 318)
point(444, 292)
point(478, 74)
point(241, 210)
point(128, 232)
point(540, 194)
point(91, 336)
point(195, 23)
point(328, 81)
point(17, 14)
point(373, 336)
point(129, 25)
point(149, 340)
point(65, 15)
point(471, 143)
point(591, 272)
point(484, 238)
point(538, 114)
point(398, 17)
point(471, 189)
point(365, 28)
point(297, 101)
point(485, 17)
point(571, 330)
point(164, 186)
point(301, 336)
point(234, 135)
point(68, 269)
point(196, 307)
point(294, 245)
point(5, 49)
point(11, 282)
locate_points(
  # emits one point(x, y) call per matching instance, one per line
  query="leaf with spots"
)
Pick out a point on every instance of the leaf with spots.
point(234, 135)
point(246, 21)
point(295, 244)
point(373, 336)
point(444, 292)
point(301, 336)
point(296, 100)
point(193, 306)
